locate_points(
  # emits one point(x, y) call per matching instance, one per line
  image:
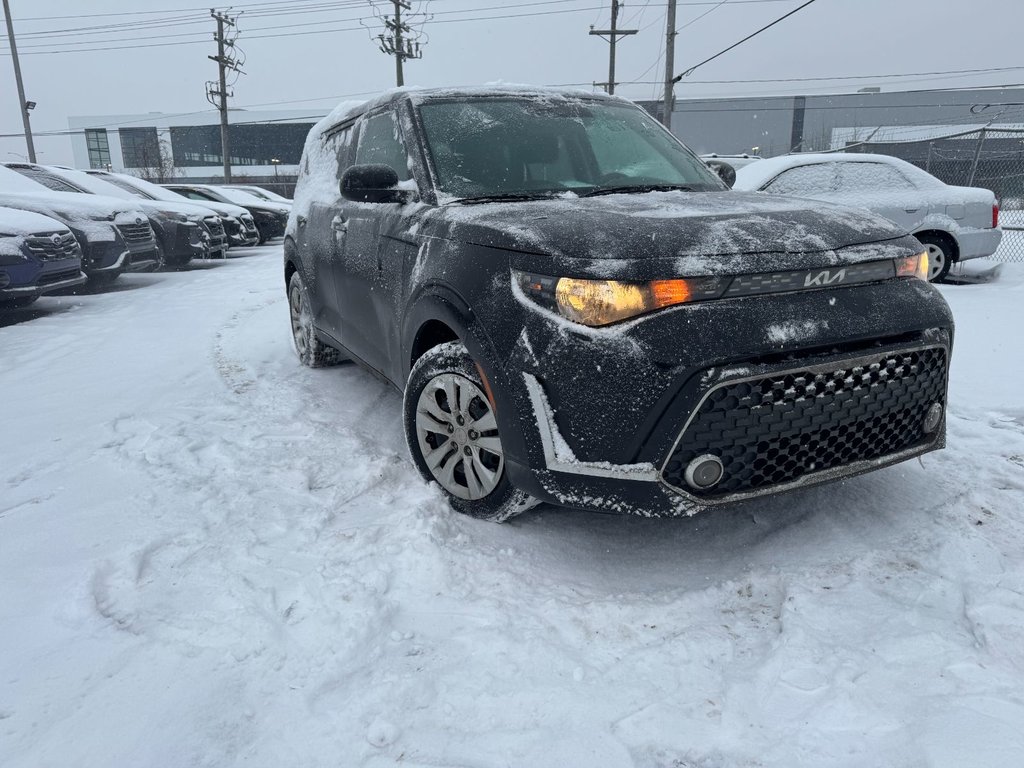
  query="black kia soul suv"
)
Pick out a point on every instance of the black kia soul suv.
point(580, 312)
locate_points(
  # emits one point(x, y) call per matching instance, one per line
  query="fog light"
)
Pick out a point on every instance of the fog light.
point(932, 418)
point(704, 472)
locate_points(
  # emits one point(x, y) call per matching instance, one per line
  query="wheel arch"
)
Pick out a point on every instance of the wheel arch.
point(942, 234)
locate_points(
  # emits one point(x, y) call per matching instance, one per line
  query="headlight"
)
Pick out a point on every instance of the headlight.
point(913, 266)
point(602, 302)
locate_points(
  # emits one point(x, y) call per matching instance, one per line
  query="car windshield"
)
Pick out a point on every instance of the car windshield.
point(118, 182)
point(236, 196)
point(510, 147)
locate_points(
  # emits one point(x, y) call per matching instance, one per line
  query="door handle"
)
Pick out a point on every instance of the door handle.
point(911, 210)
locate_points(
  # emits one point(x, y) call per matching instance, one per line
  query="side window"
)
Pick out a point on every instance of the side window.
point(380, 142)
point(805, 180)
point(865, 177)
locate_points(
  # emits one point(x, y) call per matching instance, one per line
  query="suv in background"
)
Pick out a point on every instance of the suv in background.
point(260, 192)
point(99, 224)
point(37, 255)
point(271, 218)
point(177, 228)
point(580, 312)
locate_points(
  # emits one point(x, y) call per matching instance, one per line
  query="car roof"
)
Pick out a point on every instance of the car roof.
point(348, 111)
point(757, 174)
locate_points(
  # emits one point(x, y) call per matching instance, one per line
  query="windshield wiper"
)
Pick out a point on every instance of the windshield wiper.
point(506, 197)
point(636, 188)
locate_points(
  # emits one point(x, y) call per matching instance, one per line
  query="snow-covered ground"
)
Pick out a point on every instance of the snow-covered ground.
point(210, 556)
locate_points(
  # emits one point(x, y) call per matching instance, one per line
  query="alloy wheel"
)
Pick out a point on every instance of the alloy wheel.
point(936, 261)
point(300, 319)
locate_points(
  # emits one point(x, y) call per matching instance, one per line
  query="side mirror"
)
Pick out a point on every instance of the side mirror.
point(372, 184)
point(725, 171)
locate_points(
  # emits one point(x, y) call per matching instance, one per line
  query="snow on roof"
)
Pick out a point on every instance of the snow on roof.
point(756, 175)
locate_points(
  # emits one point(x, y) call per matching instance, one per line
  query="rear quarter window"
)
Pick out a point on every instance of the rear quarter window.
point(805, 180)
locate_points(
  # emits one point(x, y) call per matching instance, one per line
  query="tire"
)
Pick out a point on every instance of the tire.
point(941, 255)
point(468, 464)
point(19, 303)
point(308, 347)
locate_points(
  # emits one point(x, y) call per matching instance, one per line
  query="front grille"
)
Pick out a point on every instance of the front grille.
point(45, 248)
point(136, 233)
point(55, 277)
point(214, 227)
point(250, 225)
point(780, 428)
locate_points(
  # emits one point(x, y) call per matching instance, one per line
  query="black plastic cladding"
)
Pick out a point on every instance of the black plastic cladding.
point(774, 430)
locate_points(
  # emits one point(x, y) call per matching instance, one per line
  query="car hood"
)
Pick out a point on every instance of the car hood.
point(200, 209)
point(223, 209)
point(72, 206)
point(16, 222)
point(705, 232)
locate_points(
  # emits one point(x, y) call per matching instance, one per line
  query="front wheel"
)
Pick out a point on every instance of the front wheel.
point(453, 435)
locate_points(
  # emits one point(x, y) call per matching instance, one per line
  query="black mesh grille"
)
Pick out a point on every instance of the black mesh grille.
point(774, 430)
point(56, 277)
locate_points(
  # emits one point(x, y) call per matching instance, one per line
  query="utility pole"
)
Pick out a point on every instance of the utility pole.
point(23, 105)
point(613, 36)
point(398, 43)
point(218, 93)
point(670, 63)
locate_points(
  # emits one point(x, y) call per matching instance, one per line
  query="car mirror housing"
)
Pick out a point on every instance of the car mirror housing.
point(725, 171)
point(372, 183)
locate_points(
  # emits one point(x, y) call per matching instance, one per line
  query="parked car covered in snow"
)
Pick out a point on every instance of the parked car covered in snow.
point(237, 223)
point(260, 192)
point(177, 227)
point(270, 217)
point(114, 235)
point(37, 255)
point(954, 223)
point(579, 311)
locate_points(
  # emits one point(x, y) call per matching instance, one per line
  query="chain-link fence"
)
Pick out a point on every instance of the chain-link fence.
point(992, 158)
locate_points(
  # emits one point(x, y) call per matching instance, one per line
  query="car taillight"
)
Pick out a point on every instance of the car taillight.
point(995, 215)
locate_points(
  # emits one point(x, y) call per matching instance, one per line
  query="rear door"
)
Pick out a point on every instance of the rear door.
point(321, 237)
point(884, 190)
point(373, 263)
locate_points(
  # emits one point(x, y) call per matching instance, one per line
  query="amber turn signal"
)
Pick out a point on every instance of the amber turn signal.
point(913, 266)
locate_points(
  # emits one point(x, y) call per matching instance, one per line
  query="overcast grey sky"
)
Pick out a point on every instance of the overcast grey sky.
point(545, 43)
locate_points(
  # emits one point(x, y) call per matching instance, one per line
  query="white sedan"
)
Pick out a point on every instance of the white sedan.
point(955, 223)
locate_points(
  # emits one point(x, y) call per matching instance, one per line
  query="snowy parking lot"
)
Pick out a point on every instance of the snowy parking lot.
point(212, 556)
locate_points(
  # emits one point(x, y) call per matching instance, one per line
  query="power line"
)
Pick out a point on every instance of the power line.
point(766, 27)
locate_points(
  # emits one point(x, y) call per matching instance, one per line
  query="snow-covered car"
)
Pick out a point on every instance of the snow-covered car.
point(260, 192)
point(270, 217)
point(954, 223)
point(37, 255)
point(580, 312)
point(114, 234)
point(177, 227)
point(237, 223)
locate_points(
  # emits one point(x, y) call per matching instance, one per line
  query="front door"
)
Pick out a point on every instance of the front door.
point(369, 276)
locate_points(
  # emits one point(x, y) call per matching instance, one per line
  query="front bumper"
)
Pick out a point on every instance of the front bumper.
point(978, 243)
point(601, 428)
point(241, 231)
point(47, 283)
point(185, 244)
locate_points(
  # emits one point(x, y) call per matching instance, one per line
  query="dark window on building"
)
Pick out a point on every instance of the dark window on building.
point(198, 145)
point(140, 147)
point(99, 148)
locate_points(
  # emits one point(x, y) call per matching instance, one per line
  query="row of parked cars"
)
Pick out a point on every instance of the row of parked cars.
point(61, 228)
point(954, 223)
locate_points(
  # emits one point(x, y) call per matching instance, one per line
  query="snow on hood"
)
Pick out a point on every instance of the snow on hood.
point(16, 222)
point(704, 233)
point(91, 215)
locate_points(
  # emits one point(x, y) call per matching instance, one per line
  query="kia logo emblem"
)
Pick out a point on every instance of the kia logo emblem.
point(825, 277)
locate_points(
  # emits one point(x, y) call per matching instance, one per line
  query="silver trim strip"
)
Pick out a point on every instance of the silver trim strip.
point(569, 464)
